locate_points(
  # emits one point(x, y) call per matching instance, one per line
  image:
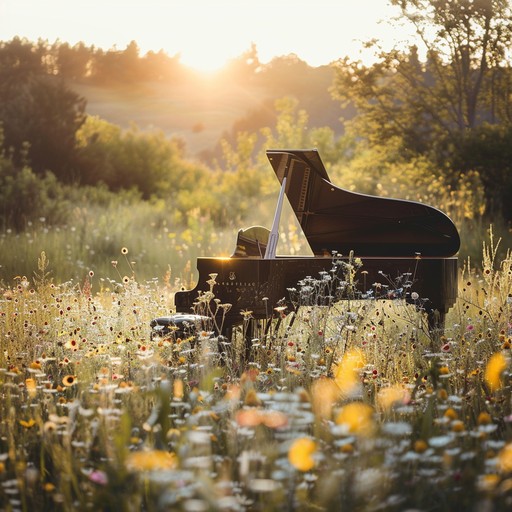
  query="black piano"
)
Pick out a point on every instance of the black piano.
point(391, 237)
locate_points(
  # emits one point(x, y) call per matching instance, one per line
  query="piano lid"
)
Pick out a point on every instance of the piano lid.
point(334, 219)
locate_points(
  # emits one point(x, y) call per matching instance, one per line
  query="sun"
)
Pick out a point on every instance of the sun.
point(204, 60)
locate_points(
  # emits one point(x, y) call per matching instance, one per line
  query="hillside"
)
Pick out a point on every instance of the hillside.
point(200, 111)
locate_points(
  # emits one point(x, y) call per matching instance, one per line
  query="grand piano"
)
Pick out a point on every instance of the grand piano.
point(391, 237)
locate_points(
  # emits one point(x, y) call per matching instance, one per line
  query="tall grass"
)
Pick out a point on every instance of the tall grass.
point(352, 406)
point(93, 242)
point(93, 238)
point(159, 247)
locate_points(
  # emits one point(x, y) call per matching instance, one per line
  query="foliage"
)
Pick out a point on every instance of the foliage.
point(164, 244)
point(432, 98)
point(39, 115)
point(146, 161)
point(26, 197)
point(487, 150)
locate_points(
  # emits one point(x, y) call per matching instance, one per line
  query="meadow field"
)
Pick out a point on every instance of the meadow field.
point(352, 406)
point(118, 172)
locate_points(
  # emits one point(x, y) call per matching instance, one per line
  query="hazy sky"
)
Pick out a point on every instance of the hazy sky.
point(205, 33)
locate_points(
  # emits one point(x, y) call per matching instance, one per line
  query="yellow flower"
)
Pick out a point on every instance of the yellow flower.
point(347, 372)
point(484, 418)
point(31, 386)
point(357, 418)
point(252, 399)
point(301, 454)
point(451, 414)
point(177, 389)
point(458, 426)
point(152, 460)
point(324, 394)
point(28, 424)
point(347, 448)
point(442, 394)
point(69, 380)
point(505, 458)
point(388, 397)
point(420, 446)
point(488, 483)
point(494, 369)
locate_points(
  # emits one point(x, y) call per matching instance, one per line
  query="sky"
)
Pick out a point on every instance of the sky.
point(206, 33)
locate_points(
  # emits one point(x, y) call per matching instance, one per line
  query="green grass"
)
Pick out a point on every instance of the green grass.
point(94, 236)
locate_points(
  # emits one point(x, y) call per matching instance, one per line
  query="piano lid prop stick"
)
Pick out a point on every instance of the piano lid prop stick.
point(270, 252)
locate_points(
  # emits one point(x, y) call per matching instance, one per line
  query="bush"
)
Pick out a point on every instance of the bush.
point(26, 197)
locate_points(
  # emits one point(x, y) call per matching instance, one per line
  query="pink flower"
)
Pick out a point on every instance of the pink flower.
point(98, 477)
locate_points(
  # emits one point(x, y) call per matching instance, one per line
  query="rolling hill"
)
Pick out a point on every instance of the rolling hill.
point(200, 111)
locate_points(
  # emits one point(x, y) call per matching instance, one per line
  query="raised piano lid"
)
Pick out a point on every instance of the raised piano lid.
point(337, 220)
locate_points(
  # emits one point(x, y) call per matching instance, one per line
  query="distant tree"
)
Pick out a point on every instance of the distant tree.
point(73, 62)
point(158, 66)
point(132, 159)
point(117, 66)
point(283, 73)
point(433, 103)
point(291, 126)
point(19, 59)
point(243, 68)
point(39, 113)
point(26, 197)
point(40, 118)
point(488, 150)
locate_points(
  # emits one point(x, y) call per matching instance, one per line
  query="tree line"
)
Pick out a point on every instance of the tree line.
point(81, 62)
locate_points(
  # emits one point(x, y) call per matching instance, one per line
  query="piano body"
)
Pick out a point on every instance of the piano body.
point(391, 237)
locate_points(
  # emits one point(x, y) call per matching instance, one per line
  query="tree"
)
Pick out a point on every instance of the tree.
point(20, 58)
point(26, 197)
point(38, 112)
point(73, 62)
point(432, 96)
point(132, 159)
point(160, 67)
point(243, 68)
point(40, 116)
point(115, 66)
point(469, 45)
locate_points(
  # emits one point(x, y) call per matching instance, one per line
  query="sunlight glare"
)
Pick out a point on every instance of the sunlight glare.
point(205, 60)
point(206, 35)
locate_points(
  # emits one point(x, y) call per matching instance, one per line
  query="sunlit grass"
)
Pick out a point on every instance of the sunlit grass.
point(355, 405)
point(94, 243)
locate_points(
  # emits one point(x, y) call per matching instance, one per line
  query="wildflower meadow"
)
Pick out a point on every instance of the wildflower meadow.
point(353, 406)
